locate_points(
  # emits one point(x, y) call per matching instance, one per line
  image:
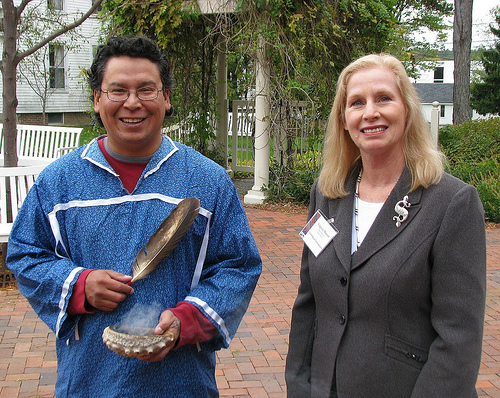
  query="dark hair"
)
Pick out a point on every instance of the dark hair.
point(129, 46)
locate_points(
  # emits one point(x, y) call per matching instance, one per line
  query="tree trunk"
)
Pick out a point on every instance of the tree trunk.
point(9, 96)
point(10, 60)
point(462, 39)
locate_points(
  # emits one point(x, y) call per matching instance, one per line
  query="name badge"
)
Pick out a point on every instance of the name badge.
point(318, 233)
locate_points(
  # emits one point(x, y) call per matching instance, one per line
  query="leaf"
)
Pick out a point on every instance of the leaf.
point(166, 238)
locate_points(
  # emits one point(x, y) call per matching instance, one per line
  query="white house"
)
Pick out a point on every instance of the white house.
point(437, 85)
point(67, 96)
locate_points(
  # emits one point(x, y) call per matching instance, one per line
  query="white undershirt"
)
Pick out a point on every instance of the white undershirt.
point(367, 212)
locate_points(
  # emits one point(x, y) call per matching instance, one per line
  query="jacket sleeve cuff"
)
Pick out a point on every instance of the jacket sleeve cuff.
point(77, 303)
point(195, 327)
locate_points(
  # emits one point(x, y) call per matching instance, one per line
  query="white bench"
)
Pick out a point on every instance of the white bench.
point(20, 180)
point(42, 144)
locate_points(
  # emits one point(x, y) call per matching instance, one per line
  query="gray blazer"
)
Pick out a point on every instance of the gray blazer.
point(403, 317)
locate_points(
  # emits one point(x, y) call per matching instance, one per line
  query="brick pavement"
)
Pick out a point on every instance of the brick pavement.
point(253, 365)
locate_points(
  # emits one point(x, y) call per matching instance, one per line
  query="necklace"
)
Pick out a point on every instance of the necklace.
point(398, 220)
point(356, 208)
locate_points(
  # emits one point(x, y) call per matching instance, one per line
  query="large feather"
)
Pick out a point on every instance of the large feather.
point(166, 238)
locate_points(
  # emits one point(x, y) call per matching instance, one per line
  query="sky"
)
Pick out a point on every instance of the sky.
point(481, 18)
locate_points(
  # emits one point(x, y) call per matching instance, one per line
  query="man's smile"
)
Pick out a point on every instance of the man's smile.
point(132, 120)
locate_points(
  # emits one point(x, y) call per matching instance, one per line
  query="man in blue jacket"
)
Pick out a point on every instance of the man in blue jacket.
point(90, 212)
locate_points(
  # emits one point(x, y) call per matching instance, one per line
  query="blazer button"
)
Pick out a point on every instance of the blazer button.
point(342, 319)
point(343, 281)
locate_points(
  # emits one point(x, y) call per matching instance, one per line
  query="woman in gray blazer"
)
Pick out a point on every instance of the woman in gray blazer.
point(393, 305)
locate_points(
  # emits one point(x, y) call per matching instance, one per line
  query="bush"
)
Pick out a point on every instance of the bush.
point(473, 152)
point(89, 133)
point(293, 182)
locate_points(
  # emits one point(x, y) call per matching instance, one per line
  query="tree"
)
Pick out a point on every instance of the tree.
point(308, 43)
point(15, 22)
point(40, 71)
point(485, 95)
point(311, 41)
point(462, 39)
point(415, 17)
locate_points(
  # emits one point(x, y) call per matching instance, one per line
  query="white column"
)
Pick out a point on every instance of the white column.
point(435, 122)
point(262, 137)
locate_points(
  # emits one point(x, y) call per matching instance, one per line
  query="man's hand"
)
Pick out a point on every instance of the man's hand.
point(168, 321)
point(105, 289)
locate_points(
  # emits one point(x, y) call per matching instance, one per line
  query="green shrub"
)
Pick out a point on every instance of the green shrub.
point(292, 182)
point(89, 133)
point(473, 152)
point(489, 191)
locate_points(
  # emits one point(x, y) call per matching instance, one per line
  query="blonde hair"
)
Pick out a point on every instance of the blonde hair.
point(340, 153)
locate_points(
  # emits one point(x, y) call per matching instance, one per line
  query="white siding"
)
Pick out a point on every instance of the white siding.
point(448, 113)
point(74, 97)
point(427, 76)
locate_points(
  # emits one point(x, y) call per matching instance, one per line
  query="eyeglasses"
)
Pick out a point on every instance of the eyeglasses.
point(122, 94)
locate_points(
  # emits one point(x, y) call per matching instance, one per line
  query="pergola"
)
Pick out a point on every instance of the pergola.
point(262, 106)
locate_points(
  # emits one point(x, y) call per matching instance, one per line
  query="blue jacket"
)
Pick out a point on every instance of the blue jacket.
point(78, 216)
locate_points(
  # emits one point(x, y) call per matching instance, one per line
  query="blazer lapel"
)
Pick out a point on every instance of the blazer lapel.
point(342, 211)
point(384, 228)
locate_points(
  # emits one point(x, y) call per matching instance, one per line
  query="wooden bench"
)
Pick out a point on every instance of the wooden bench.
point(42, 144)
point(20, 180)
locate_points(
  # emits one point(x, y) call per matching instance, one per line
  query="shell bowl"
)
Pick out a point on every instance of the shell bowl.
point(136, 341)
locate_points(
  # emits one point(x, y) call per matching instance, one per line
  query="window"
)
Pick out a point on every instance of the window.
point(56, 66)
point(56, 118)
point(443, 111)
point(55, 4)
point(439, 74)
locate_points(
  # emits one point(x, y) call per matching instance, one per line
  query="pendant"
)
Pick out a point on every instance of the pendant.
point(400, 209)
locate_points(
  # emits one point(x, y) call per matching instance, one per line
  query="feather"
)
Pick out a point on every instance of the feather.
point(166, 238)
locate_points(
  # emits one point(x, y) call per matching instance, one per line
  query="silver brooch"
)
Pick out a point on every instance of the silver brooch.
point(400, 209)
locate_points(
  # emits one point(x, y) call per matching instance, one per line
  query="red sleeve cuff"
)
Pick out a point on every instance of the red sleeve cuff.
point(195, 327)
point(77, 302)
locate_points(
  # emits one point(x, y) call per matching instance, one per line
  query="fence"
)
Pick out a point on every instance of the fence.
point(242, 136)
point(292, 134)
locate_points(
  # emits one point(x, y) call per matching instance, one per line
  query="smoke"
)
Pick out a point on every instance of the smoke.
point(141, 319)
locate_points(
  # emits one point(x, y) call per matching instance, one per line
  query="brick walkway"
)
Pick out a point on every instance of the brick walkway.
point(253, 365)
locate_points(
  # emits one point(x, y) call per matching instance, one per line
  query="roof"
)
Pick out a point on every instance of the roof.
point(430, 92)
